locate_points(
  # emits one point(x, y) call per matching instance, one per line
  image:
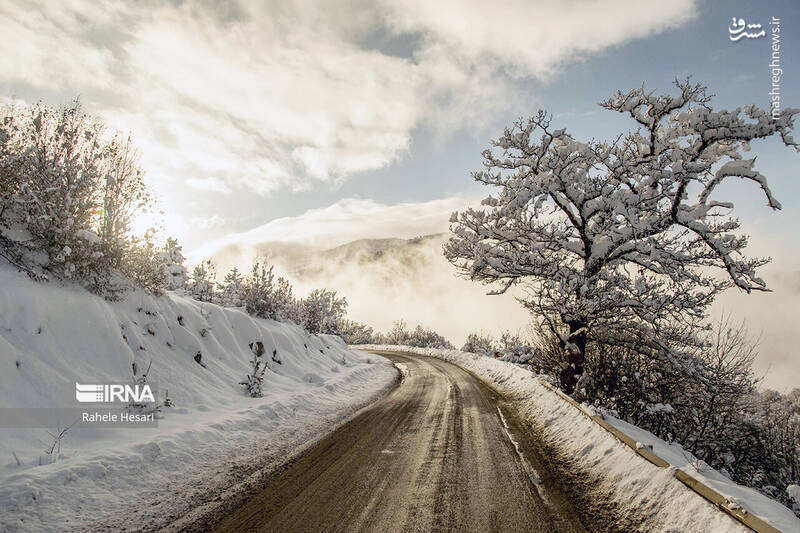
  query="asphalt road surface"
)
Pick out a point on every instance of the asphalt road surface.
point(438, 453)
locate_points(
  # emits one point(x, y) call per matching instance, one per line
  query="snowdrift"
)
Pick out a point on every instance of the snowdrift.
point(627, 479)
point(52, 337)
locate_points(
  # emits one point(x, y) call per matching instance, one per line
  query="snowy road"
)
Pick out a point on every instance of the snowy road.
point(434, 454)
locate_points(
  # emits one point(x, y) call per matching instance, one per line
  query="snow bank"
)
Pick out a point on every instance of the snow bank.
point(52, 337)
point(627, 479)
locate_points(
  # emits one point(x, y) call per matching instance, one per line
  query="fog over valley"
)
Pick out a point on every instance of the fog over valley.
point(423, 288)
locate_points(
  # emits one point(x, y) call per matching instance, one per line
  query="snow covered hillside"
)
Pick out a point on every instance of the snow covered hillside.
point(623, 477)
point(213, 434)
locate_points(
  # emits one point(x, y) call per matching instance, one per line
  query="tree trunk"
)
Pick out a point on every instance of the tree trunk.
point(576, 353)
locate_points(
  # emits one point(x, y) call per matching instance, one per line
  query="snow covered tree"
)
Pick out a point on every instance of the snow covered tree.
point(617, 242)
point(323, 311)
point(204, 276)
point(513, 348)
point(479, 343)
point(124, 195)
point(287, 307)
point(52, 170)
point(427, 338)
point(379, 338)
point(68, 196)
point(172, 265)
point(511, 341)
point(778, 473)
point(399, 333)
point(356, 333)
point(144, 264)
point(230, 291)
point(721, 388)
point(266, 296)
point(258, 287)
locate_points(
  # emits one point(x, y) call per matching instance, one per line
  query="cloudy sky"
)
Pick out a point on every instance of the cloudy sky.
point(328, 121)
point(248, 112)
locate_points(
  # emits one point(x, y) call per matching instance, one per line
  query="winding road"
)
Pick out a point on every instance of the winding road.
point(439, 452)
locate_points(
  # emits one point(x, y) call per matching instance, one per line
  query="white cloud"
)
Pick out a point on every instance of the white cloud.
point(769, 235)
point(770, 316)
point(347, 220)
point(290, 94)
point(213, 221)
point(53, 50)
point(211, 184)
point(532, 38)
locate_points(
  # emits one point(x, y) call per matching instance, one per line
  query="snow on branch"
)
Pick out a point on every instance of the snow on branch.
point(628, 229)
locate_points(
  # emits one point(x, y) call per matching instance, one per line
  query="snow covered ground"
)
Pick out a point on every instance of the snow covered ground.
point(214, 434)
point(626, 478)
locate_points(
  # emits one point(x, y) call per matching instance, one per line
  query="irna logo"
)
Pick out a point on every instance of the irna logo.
point(108, 393)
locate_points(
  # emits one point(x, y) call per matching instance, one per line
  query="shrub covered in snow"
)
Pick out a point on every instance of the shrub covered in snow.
point(777, 418)
point(323, 311)
point(419, 337)
point(257, 292)
point(263, 294)
point(397, 335)
point(427, 338)
point(202, 283)
point(793, 491)
point(254, 382)
point(514, 349)
point(353, 332)
point(172, 260)
point(480, 343)
point(144, 265)
point(287, 306)
point(68, 197)
point(230, 291)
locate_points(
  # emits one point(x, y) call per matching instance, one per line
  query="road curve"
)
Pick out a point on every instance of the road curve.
point(434, 454)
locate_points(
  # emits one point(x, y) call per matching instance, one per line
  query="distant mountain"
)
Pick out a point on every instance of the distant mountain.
point(389, 279)
point(385, 260)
